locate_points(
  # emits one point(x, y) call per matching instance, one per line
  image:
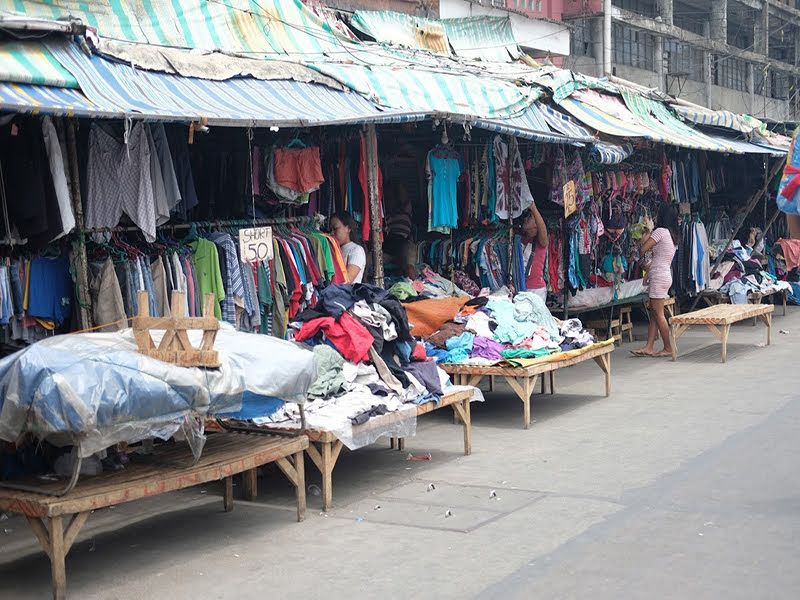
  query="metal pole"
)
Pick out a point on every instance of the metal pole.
point(79, 247)
point(776, 168)
point(606, 37)
point(512, 151)
point(374, 204)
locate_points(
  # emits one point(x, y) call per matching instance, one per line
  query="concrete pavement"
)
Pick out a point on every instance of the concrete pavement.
point(682, 484)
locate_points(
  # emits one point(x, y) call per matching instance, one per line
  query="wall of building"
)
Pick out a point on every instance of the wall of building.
point(537, 9)
point(420, 8)
point(536, 36)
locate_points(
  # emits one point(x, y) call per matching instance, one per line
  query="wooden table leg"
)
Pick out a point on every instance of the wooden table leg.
point(543, 389)
point(768, 322)
point(250, 484)
point(604, 362)
point(325, 459)
point(552, 382)
point(673, 335)
point(56, 542)
point(524, 392)
point(401, 443)
point(227, 498)
point(725, 331)
point(295, 470)
point(784, 296)
point(463, 409)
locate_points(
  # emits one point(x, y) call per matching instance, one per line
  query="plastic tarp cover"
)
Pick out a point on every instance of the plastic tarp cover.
point(604, 295)
point(94, 389)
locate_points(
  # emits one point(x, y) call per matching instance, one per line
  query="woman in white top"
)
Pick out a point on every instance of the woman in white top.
point(345, 229)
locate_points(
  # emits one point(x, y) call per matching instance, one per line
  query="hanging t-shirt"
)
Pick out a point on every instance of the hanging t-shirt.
point(444, 174)
point(209, 278)
point(354, 255)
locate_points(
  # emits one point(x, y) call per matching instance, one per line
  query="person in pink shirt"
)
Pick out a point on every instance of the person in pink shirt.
point(534, 250)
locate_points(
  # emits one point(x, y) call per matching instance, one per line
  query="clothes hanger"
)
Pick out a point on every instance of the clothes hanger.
point(296, 142)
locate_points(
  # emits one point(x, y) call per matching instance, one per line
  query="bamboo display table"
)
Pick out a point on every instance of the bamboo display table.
point(56, 521)
point(719, 319)
point(523, 379)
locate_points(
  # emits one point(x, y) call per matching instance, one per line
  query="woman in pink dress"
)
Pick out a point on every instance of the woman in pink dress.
point(661, 245)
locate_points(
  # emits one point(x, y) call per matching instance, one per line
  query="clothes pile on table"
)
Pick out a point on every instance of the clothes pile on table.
point(487, 330)
point(368, 364)
point(738, 275)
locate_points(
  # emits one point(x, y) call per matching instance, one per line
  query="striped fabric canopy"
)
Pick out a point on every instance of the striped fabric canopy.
point(607, 115)
point(489, 39)
point(533, 125)
point(745, 147)
point(41, 99)
point(259, 103)
point(403, 30)
point(31, 62)
point(677, 133)
point(564, 124)
point(611, 154)
point(434, 91)
point(715, 118)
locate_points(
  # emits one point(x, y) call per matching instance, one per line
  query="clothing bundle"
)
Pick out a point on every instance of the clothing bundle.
point(691, 266)
point(738, 275)
point(495, 329)
point(36, 296)
point(33, 182)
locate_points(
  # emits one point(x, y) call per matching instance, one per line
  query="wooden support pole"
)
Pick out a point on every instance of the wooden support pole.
point(79, 246)
point(374, 204)
point(509, 182)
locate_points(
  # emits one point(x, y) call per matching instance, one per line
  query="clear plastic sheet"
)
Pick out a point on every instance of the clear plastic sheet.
point(94, 389)
point(604, 295)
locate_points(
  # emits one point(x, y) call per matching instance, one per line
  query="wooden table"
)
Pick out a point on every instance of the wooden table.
point(56, 521)
point(523, 379)
point(324, 447)
point(719, 319)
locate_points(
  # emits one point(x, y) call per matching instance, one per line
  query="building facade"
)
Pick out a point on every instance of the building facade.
point(737, 55)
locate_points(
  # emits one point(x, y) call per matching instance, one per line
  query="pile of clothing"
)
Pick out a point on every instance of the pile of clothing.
point(738, 275)
point(368, 362)
point(493, 329)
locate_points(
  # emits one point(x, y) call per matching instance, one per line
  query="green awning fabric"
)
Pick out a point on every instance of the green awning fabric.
point(30, 62)
point(607, 114)
point(489, 39)
point(677, 133)
point(715, 118)
point(399, 29)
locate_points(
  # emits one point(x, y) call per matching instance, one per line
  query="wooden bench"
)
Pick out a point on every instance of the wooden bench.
point(56, 521)
point(324, 447)
point(669, 307)
point(523, 379)
point(719, 319)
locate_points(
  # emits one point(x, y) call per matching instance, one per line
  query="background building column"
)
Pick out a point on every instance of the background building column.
point(719, 21)
point(708, 73)
point(665, 11)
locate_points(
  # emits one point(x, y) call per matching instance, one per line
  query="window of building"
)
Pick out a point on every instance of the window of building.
point(582, 42)
point(781, 85)
point(538, 5)
point(632, 47)
point(684, 60)
point(688, 17)
point(730, 72)
point(645, 8)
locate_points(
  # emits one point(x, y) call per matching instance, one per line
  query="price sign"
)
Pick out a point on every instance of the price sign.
point(569, 198)
point(255, 244)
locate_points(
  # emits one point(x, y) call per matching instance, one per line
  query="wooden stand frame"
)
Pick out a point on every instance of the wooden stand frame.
point(56, 521)
point(523, 379)
point(718, 319)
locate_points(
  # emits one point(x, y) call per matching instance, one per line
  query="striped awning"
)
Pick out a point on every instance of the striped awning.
point(263, 27)
point(746, 147)
point(564, 124)
point(113, 86)
point(399, 29)
point(532, 125)
point(608, 115)
point(429, 91)
point(714, 118)
point(658, 118)
point(488, 39)
point(48, 100)
point(30, 62)
point(611, 154)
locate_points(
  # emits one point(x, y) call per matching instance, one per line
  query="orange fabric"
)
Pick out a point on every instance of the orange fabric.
point(298, 169)
point(338, 258)
point(427, 316)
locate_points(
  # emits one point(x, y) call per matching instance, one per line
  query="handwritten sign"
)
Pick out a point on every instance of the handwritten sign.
point(255, 244)
point(569, 198)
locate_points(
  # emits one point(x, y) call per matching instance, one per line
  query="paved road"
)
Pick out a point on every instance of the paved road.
point(683, 484)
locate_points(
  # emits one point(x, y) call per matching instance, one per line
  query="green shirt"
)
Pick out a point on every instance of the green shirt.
point(209, 278)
